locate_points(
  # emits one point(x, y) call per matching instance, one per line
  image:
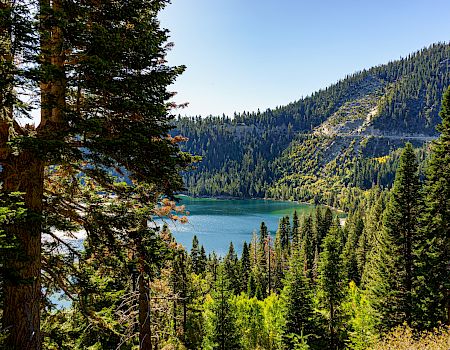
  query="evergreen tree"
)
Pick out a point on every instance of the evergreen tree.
point(231, 269)
point(319, 234)
point(251, 286)
point(295, 227)
point(298, 296)
point(202, 260)
point(224, 334)
point(195, 255)
point(213, 265)
point(369, 239)
point(279, 265)
point(330, 283)
point(262, 233)
point(245, 267)
point(354, 229)
point(103, 105)
point(378, 279)
point(315, 266)
point(283, 233)
point(434, 271)
point(401, 224)
point(324, 220)
point(307, 241)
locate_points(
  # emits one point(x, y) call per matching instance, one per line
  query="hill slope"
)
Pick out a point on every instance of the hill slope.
point(340, 137)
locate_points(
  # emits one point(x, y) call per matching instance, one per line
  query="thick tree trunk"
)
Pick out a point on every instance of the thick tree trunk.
point(25, 173)
point(21, 270)
point(22, 287)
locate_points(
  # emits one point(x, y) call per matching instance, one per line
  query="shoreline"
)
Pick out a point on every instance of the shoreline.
point(223, 197)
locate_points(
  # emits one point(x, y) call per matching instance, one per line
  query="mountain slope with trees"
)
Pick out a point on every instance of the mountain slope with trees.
point(351, 129)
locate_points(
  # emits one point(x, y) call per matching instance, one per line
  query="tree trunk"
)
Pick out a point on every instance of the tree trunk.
point(25, 173)
point(145, 334)
point(22, 286)
point(22, 172)
point(332, 333)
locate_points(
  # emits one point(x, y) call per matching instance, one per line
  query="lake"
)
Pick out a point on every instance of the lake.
point(217, 222)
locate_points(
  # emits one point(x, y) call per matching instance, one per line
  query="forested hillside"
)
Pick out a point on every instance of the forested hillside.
point(86, 261)
point(346, 134)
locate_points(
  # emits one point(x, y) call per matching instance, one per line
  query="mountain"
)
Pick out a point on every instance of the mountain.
point(319, 148)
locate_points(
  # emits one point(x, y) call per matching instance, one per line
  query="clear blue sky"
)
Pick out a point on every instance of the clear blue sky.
point(249, 54)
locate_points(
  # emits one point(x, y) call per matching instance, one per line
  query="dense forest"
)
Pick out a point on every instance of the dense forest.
point(103, 161)
point(346, 135)
point(379, 281)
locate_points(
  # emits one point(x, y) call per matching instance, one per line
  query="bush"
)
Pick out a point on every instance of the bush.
point(403, 338)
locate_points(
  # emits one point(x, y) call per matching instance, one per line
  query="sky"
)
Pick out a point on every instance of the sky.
point(244, 55)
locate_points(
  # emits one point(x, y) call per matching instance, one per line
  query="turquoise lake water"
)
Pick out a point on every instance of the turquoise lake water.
point(217, 222)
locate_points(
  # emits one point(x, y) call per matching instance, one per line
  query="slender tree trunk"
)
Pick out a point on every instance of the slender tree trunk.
point(145, 333)
point(269, 271)
point(409, 263)
point(174, 315)
point(332, 334)
point(448, 307)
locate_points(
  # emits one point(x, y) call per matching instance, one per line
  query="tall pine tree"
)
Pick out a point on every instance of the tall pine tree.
point(98, 71)
point(434, 268)
point(330, 283)
point(401, 224)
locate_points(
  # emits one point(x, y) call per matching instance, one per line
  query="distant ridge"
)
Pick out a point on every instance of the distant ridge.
point(313, 148)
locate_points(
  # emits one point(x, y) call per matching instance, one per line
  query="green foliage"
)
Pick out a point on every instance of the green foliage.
point(249, 321)
point(274, 322)
point(434, 255)
point(245, 268)
point(298, 298)
point(330, 284)
point(220, 317)
point(195, 255)
point(312, 149)
point(361, 319)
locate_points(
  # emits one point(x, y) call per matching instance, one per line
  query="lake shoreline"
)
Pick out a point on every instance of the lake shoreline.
point(223, 197)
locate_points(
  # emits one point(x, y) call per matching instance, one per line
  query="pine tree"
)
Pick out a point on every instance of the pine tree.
point(283, 233)
point(298, 296)
point(245, 267)
point(330, 283)
point(378, 279)
point(370, 236)
point(307, 240)
point(295, 227)
point(434, 271)
point(354, 229)
point(202, 260)
point(195, 255)
point(251, 286)
point(279, 265)
point(213, 265)
point(262, 233)
point(231, 269)
point(224, 335)
point(79, 70)
point(324, 220)
point(401, 224)
point(315, 266)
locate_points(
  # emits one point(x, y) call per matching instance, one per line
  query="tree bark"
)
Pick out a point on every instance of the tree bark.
point(145, 334)
point(24, 173)
point(21, 173)
point(22, 287)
